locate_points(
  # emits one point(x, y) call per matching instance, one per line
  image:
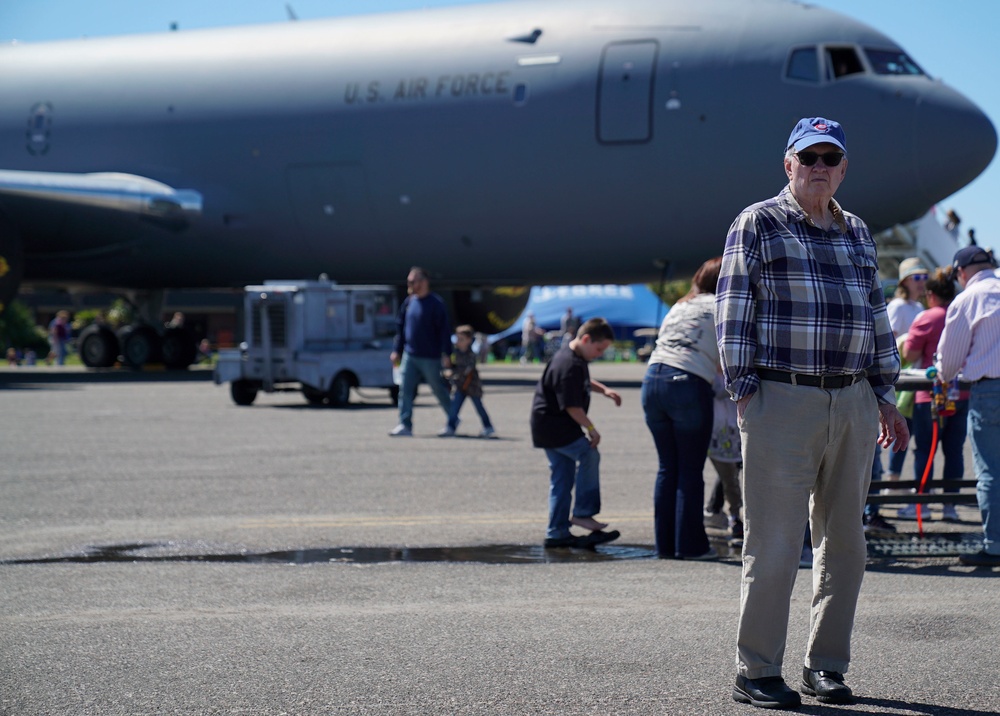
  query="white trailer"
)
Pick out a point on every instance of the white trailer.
point(315, 336)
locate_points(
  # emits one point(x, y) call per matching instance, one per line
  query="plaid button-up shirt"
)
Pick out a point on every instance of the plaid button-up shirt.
point(796, 298)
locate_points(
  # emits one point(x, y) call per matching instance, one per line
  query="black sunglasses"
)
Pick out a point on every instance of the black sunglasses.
point(831, 159)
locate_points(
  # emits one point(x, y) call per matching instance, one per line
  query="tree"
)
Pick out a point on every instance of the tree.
point(18, 330)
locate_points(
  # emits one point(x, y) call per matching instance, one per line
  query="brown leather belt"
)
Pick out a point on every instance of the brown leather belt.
point(813, 381)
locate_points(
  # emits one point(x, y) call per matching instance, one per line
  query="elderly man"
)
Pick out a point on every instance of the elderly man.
point(810, 360)
point(970, 343)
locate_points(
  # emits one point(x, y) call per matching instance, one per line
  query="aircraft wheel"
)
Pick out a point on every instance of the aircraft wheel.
point(140, 345)
point(98, 346)
point(179, 349)
point(340, 390)
point(244, 392)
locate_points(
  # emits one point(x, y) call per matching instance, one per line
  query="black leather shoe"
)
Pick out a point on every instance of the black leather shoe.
point(600, 537)
point(982, 558)
point(571, 542)
point(588, 541)
point(770, 692)
point(827, 686)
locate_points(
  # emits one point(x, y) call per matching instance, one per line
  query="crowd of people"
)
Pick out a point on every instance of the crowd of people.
point(779, 365)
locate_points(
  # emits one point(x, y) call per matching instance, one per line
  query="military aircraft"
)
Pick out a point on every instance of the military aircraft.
point(508, 144)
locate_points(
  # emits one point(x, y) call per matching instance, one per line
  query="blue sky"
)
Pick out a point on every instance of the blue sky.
point(951, 39)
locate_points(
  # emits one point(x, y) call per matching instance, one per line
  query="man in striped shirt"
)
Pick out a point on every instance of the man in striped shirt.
point(810, 359)
point(970, 343)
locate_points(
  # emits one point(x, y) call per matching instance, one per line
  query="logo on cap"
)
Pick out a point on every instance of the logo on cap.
point(820, 127)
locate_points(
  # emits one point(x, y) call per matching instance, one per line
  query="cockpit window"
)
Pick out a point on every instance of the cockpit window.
point(842, 62)
point(891, 62)
point(803, 65)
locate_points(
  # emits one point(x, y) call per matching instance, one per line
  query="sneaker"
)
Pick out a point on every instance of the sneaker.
point(717, 521)
point(446, 432)
point(488, 433)
point(806, 558)
point(891, 477)
point(909, 512)
point(982, 558)
point(735, 529)
point(876, 523)
point(708, 556)
point(401, 431)
point(950, 514)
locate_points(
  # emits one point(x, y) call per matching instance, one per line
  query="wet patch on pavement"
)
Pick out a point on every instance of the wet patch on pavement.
point(933, 546)
point(483, 554)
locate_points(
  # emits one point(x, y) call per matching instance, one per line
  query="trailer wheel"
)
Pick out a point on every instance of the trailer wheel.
point(244, 392)
point(340, 390)
point(315, 396)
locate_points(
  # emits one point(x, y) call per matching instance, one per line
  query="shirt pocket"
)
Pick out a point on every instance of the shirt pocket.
point(865, 266)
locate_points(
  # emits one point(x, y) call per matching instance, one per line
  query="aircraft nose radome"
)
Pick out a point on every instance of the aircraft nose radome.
point(955, 142)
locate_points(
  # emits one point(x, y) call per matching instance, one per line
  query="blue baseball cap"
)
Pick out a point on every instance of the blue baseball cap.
point(816, 130)
point(972, 255)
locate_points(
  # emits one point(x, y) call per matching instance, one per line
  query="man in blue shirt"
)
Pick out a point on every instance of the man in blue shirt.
point(422, 347)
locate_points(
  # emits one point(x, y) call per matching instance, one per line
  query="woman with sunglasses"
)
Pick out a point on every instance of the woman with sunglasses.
point(905, 306)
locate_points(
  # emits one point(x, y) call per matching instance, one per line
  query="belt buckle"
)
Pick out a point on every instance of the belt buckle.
point(822, 382)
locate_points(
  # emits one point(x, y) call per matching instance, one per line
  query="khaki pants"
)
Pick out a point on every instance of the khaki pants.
point(807, 454)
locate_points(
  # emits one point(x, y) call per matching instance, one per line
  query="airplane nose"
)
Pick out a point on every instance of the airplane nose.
point(955, 142)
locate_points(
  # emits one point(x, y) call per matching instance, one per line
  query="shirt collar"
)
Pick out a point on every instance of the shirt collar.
point(985, 273)
point(797, 213)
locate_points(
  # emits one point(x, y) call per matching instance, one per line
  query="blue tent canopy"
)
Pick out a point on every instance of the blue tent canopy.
point(626, 308)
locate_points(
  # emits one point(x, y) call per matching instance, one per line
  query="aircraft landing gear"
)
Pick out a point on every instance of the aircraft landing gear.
point(178, 348)
point(140, 344)
point(98, 346)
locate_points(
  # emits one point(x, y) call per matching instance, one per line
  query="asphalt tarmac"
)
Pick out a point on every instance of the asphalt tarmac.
point(163, 551)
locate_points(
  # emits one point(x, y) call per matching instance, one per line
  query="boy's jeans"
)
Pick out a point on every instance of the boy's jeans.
point(565, 473)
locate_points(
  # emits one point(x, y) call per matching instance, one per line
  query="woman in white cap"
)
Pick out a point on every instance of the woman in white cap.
point(902, 309)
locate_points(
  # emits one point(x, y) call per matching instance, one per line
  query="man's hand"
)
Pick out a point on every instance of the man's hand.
point(593, 436)
point(892, 428)
point(741, 405)
point(614, 396)
point(394, 357)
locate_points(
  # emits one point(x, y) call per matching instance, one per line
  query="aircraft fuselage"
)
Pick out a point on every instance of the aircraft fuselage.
point(516, 143)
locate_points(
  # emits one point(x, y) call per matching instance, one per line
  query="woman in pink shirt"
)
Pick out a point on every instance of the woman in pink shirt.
point(919, 349)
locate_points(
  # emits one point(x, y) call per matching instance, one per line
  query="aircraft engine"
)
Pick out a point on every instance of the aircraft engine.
point(489, 310)
point(11, 263)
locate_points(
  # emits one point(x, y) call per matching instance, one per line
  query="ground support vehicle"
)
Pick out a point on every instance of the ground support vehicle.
point(315, 336)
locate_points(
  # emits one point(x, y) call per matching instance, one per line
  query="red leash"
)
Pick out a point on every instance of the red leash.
point(927, 472)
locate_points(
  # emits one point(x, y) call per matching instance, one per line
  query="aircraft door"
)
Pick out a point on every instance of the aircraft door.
point(625, 92)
